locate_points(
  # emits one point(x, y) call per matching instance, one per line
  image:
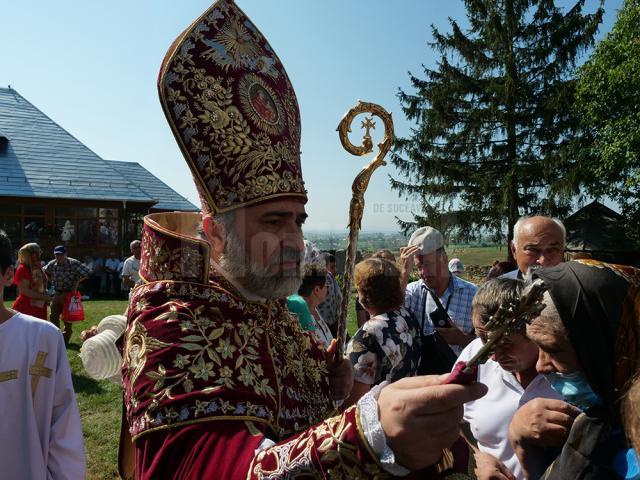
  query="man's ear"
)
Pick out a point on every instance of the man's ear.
point(7, 277)
point(512, 246)
point(215, 234)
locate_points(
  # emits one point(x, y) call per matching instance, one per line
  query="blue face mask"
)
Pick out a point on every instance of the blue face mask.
point(625, 463)
point(574, 388)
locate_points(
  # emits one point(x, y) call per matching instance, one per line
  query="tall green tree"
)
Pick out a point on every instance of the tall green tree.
point(493, 120)
point(608, 102)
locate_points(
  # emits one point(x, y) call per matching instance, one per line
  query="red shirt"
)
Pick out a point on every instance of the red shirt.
point(24, 304)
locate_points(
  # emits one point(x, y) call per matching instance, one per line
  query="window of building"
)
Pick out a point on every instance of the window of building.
point(86, 226)
point(4, 145)
point(133, 227)
point(108, 223)
point(23, 223)
point(66, 228)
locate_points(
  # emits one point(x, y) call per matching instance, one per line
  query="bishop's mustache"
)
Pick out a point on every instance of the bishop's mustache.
point(289, 254)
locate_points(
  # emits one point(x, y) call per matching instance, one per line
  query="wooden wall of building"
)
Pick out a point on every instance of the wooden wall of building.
point(85, 227)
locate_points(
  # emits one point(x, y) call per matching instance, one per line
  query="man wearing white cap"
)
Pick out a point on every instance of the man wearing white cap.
point(454, 294)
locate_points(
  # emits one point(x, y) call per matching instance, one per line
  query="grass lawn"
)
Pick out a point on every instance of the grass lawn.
point(100, 402)
point(481, 256)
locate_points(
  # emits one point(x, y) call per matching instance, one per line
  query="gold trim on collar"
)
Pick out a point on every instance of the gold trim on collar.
point(183, 226)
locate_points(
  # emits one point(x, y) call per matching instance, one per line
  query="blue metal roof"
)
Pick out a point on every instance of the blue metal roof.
point(168, 199)
point(43, 160)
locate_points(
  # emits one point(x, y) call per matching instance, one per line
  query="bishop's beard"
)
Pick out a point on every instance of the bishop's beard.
point(271, 281)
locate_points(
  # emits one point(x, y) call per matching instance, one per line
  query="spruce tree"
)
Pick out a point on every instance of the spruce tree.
point(493, 120)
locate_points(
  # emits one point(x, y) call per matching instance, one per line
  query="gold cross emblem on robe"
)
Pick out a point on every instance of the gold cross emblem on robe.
point(8, 375)
point(38, 370)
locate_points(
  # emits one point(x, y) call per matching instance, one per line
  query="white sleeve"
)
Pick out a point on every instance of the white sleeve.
point(467, 353)
point(126, 267)
point(101, 358)
point(373, 432)
point(67, 458)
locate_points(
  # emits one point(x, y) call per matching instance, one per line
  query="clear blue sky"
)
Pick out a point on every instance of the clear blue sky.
point(92, 67)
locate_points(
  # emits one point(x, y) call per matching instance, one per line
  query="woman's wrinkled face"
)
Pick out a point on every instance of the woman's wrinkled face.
point(556, 354)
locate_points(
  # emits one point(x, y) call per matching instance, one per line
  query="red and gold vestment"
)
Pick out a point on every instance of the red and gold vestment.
point(209, 375)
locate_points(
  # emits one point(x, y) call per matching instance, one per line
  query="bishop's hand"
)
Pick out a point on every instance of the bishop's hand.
point(420, 417)
point(340, 373)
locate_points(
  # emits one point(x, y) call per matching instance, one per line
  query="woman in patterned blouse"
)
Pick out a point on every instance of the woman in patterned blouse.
point(387, 346)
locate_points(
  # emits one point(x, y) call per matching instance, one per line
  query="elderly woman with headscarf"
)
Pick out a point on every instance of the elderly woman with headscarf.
point(31, 282)
point(588, 350)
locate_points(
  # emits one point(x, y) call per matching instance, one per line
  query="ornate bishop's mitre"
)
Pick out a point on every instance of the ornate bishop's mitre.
point(233, 111)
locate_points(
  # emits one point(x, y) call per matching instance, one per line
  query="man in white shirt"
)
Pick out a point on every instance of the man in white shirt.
point(40, 431)
point(512, 379)
point(113, 275)
point(131, 267)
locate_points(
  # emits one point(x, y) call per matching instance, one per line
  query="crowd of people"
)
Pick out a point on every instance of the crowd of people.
point(112, 277)
point(552, 408)
point(43, 288)
point(227, 354)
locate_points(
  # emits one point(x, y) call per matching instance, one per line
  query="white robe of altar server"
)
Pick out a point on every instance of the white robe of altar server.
point(40, 429)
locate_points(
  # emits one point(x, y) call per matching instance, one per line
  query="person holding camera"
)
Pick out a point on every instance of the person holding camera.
point(440, 301)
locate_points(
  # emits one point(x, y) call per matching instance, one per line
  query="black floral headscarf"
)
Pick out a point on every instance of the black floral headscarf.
point(599, 305)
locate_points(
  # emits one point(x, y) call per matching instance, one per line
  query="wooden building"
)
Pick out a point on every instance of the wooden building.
point(54, 190)
point(598, 231)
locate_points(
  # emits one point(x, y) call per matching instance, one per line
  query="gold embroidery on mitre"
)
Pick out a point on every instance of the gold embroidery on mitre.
point(233, 111)
point(261, 103)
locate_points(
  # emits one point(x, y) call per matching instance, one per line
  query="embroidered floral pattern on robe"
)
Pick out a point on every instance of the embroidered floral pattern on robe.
point(197, 352)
